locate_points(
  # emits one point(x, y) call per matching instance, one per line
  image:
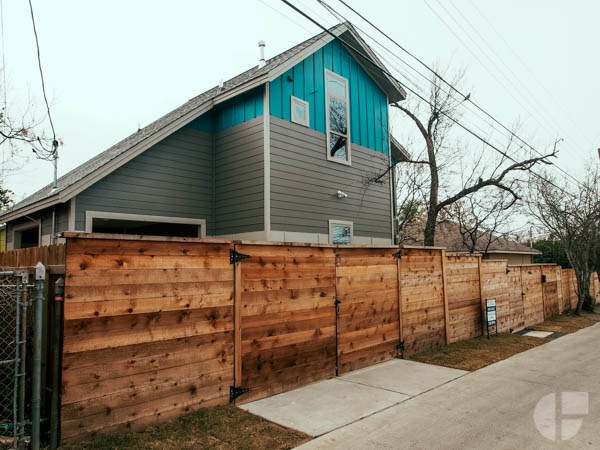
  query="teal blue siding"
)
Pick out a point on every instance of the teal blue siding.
point(306, 80)
point(240, 109)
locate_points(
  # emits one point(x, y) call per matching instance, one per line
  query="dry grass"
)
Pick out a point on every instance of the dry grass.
point(568, 323)
point(217, 428)
point(478, 352)
point(481, 351)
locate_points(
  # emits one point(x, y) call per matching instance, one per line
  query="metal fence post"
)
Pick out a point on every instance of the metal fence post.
point(59, 292)
point(36, 388)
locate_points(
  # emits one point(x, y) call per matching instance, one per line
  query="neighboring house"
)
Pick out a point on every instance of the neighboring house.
point(3, 238)
point(281, 152)
point(447, 234)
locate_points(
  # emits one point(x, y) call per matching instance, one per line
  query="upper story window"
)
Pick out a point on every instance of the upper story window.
point(338, 118)
point(300, 111)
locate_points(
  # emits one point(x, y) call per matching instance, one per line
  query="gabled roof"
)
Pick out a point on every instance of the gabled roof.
point(102, 164)
point(447, 234)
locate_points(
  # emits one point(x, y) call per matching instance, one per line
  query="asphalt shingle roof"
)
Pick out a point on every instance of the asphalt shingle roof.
point(103, 158)
point(447, 235)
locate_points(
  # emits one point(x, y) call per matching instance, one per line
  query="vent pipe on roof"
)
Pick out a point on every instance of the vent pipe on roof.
point(261, 46)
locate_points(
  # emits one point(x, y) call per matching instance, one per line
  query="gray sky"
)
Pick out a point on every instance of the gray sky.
point(112, 66)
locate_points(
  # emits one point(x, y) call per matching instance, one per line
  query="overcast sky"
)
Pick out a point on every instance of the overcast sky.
point(112, 66)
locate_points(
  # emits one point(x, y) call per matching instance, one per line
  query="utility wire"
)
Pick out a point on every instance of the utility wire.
point(550, 95)
point(386, 72)
point(440, 77)
point(536, 111)
point(39, 59)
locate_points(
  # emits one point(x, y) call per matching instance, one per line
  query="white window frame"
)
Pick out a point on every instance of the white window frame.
point(295, 119)
point(17, 229)
point(344, 223)
point(346, 100)
point(91, 215)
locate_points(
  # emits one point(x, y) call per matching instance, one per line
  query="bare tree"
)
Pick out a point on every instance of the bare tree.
point(435, 127)
point(575, 220)
point(481, 220)
point(19, 134)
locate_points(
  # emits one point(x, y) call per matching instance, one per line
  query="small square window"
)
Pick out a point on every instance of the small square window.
point(340, 232)
point(300, 112)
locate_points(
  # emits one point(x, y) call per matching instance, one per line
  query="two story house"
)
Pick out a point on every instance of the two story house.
point(286, 151)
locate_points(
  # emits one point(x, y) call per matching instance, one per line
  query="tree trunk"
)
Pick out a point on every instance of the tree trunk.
point(585, 299)
point(432, 213)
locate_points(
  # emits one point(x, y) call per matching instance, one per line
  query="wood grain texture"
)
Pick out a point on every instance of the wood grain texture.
point(288, 332)
point(368, 321)
point(422, 300)
point(148, 332)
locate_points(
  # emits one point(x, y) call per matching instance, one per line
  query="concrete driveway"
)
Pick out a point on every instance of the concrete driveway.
point(331, 404)
point(545, 398)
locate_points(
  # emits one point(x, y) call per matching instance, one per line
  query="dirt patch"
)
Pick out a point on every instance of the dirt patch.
point(481, 351)
point(218, 428)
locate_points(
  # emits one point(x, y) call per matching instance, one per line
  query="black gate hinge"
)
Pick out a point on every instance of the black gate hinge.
point(400, 346)
point(236, 256)
point(398, 254)
point(235, 392)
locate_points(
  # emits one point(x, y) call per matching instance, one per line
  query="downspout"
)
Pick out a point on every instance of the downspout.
point(53, 235)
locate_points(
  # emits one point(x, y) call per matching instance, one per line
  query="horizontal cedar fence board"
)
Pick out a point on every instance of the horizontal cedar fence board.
point(49, 255)
point(463, 295)
point(288, 319)
point(148, 332)
point(422, 301)
point(368, 320)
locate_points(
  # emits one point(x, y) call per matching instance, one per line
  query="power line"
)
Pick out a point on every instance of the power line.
point(386, 72)
point(39, 59)
point(550, 95)
point(536, 110)
point(440, 77)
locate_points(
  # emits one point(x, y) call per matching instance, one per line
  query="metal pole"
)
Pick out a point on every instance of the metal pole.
point(21, 345)
point(59, 292)
point(36, 388)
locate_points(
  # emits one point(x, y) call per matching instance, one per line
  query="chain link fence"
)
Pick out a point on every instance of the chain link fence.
point(14, 296)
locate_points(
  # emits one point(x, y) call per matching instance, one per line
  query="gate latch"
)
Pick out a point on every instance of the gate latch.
point(235, 392)
point(236, 256)
point(398, 254)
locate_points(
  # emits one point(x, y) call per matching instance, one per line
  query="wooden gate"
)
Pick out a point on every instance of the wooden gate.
point(368, 328)
point(550, 291)
point(285, 302)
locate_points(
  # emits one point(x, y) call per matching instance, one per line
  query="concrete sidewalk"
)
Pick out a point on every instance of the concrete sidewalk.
point(331, 404)
point(544, 398)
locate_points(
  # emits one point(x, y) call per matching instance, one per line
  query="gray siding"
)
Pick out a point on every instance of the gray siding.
point(173, 178)
point(45, 215)
point(239, 178)
point(304, 184)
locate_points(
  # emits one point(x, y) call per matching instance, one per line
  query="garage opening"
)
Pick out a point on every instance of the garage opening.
point(26, 238)
point(144, 225)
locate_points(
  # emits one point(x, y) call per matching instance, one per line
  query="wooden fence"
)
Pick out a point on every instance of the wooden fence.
point(49, 255)
point(155, 328)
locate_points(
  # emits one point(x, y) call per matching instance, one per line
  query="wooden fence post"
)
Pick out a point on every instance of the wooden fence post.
point(399, 263)
point(237, 323)
point(482, 300)
point(444, 287)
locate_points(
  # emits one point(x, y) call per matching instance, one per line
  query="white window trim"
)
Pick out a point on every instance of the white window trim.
point(346, 100)
point(91, 215)
point(295, 119)
point(332, 223)
point(26, 226)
